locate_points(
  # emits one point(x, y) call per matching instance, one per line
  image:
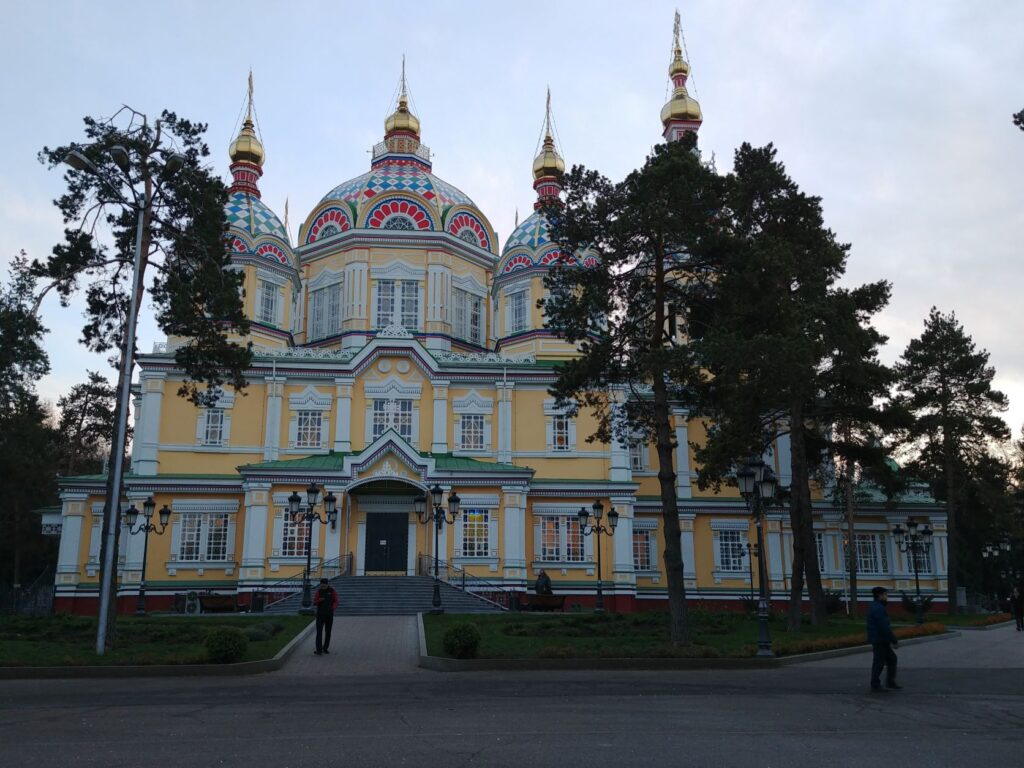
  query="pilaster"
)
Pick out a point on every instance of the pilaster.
point(684, 489)
point(343, 422)
point(254, 536)
point(147, 424)
point(623, 571)
point(504, 392)
point(514, 535)
point(440, 441)
point(275, 395)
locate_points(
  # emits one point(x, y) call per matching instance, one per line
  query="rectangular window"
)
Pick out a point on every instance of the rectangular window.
point(385, 303)
point(560, 433)
point(476, 533)
point(203, 537)
point(819, 544)
point(293, 536)
point(637, 455)
point(410, 304)
point(731, 551)
point(472, 432)
point(325, 312)
point(871, 554)
point(459, 313)
point(476, 323)
point(213, 432)
point(392, 414)
point(519, 312)
point(191, 527)
point(561, 539)
point(308, 434)
point(643, 550)
point(924, 561)
point(467, 316)
point(216, 537)
point(268, 296)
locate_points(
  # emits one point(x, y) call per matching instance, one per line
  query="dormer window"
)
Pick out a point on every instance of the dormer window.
point(398, 222)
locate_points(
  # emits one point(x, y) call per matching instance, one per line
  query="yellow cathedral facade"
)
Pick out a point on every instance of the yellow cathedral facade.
point(398, 347)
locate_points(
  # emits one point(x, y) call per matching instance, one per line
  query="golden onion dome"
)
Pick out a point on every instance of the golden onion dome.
point(682, 106)
point(548, 162)
point(247, 148)
point(679, 65)
point(402, 119)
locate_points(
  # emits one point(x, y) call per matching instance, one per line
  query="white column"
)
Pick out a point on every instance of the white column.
point(514, 535)
point(272, 440)
point(132, 544)
point(343, 422)
point(332, 536)
point(504, 390)
point(623, 571)
point(361, 547)
point(254, 536)
point(440, 442)
point(147, 424)
point(72, 514)
point(410, 561)
point(683, 488)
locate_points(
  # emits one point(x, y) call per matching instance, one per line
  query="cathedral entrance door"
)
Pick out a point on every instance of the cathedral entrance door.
point(387, 543)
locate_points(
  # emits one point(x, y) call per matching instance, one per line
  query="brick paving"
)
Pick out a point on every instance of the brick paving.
point(361, 645)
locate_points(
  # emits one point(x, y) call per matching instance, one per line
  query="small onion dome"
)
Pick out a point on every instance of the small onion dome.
point(402, 119)
point(548, 162)
point(247, 148)
point(681, 106)
point(679, 65)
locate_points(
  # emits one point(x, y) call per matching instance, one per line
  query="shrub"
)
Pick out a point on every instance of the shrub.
point(257, 634)
point(833, 601)
point(462, 641)
point(225, 645)
point(910, 605)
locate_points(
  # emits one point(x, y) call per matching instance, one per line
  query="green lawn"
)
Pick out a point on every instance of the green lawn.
point(645, 635)
point(70, 640)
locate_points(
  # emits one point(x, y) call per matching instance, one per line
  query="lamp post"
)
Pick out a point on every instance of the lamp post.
point(436, 512)
point(916, 542)
point(308, 514)
point(757, 485)
point(751, 551)
point(994, 551)
point(131, 516)
point(143, 206)
point(590, 524)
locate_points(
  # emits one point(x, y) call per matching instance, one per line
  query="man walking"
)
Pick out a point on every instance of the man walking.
point(882, 640)
point(326, 601)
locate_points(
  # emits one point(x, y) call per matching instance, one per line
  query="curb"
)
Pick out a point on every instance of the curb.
point(804, 658)
point(985, 627)
point(160, 670)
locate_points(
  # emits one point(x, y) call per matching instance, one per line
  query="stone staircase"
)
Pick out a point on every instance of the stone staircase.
point(390, 596)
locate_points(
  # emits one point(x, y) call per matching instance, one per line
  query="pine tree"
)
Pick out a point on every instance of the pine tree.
point(633, 366)
point(86, 424)
point(945, 382)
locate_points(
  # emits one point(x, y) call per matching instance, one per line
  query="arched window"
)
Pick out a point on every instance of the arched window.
point(398, 222)
point(469, 236)
point(327, 230)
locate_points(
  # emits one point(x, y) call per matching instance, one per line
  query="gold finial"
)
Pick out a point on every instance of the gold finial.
point(286, 217)
point(246, 147)
point(679, 65)
point(402, 119)
point(548, 162)
point(681, 106)
point(517, 215)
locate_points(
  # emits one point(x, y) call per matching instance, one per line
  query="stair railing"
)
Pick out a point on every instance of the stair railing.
point(280, 591)
point(496, 594)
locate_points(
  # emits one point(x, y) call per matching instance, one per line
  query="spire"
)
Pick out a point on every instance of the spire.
point(286, 229)
point(682, 112)
point(247, 154)
point(402, 121)
point(548, 166)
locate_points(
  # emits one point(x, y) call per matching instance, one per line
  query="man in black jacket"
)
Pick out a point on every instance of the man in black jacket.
point(882, 640)
point(326, 601)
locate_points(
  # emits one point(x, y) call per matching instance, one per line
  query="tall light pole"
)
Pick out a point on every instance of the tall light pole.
point(994, 552)
point(308, 515)
point(917, 543)
point(590, 524)
point(757, 485)
point(142, 204)
point(131, 516)
point(439, 515)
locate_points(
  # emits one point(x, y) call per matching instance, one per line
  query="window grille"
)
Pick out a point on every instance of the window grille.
point(472, 432)
point(476, 533)
point(731, 551)
point(309, 429)
point(213, 433)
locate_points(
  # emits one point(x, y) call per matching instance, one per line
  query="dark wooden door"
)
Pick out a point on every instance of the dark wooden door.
point(387, 542)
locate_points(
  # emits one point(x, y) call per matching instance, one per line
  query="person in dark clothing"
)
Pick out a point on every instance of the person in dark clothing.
point(882, 640)
point(326, 601)
point(1017, 607)
point(543, 584)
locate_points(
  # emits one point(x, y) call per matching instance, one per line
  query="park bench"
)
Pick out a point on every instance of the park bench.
point(528, 602)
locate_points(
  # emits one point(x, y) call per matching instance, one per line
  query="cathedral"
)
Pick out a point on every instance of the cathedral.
point(399, 349)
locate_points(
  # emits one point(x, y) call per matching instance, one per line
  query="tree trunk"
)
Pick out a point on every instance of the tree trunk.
point(802, 523)
point(796, 587)
point(680, 627)
point(952, 541)
point(851, 550)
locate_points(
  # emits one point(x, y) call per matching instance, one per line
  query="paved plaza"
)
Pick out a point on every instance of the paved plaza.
point(366, 704)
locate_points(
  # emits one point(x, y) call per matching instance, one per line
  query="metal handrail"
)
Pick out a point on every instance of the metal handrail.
point(291, 585)
point(459, 578)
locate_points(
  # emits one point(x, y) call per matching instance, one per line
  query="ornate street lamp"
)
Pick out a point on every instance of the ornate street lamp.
point(131, 517)
point(757, 486)
point(916, 542)
point(590, 524)
point(308, 515)
point(439, 515)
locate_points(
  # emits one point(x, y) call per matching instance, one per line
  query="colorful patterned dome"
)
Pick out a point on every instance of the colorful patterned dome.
point(530, 247)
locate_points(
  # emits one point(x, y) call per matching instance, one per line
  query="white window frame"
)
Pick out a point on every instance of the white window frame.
point(386, 303)
point(819, 546)
point(558, 424)
point(213, 427)
point(309, 400)
point(225, 404)
point(476, 533)
point(731, 552)
point(294, 535)
point(471, 405)
point(872, 554)
point(194, 525)
point(518, 311)
point(269, 302)
point(309, 432)
point(409, 308)
point(570, 546)
point(644, 542)
point(637, 455)
point(399, 417)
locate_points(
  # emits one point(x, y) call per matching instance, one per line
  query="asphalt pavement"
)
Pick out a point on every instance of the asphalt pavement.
point(356, 712)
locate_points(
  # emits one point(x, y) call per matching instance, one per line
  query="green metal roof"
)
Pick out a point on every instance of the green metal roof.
point(325, 461)
point(171, 476)
point(336, 461)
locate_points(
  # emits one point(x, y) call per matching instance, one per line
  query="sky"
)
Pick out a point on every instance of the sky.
point(897, 114)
